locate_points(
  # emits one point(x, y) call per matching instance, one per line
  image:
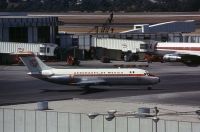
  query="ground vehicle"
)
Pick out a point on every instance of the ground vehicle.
point(153, 58)
point(72, 61)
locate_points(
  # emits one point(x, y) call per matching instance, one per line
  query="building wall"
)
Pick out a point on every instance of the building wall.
point(37, 27)
point(48, 121)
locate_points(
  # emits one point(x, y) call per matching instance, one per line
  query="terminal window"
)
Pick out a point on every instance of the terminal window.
point(43, 49)
point(143, 46)
point(44, 34)
point(18, 34)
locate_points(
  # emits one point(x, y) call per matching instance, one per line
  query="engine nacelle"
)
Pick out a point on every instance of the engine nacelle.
point(171, 58)
point(62, 79)
point(47, 73)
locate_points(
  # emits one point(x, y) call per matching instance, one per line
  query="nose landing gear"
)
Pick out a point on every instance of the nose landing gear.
point(149, 88)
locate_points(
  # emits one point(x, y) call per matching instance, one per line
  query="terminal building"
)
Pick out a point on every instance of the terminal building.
point(28, 29)
point(43, 30)
point(135, 41)
point(27, 33)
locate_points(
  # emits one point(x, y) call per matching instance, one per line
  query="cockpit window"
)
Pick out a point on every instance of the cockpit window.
point(146, 74)
point(149, 74)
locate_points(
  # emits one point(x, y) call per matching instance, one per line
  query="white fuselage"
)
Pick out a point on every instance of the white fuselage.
point(117, 76)
point(86, 77)
point(172, 47)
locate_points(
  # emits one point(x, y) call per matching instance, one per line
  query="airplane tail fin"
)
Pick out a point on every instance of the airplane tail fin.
point(33, 63)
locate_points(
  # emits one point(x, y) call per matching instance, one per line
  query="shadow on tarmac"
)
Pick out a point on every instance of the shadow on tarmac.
point(99, 90)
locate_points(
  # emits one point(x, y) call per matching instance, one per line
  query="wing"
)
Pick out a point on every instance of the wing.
point(90, 82)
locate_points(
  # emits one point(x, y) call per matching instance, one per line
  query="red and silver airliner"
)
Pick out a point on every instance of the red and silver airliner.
point(188, 53)
point(87, 77)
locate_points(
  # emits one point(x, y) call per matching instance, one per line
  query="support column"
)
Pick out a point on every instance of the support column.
point(52, 34)
point(30, 35)
point(1, 33)
point(35, 35)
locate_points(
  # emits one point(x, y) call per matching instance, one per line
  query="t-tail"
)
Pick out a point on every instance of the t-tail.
point(33, 63)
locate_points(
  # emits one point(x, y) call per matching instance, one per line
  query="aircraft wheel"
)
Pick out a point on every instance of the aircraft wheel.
point(149, 88)
point(86, 87)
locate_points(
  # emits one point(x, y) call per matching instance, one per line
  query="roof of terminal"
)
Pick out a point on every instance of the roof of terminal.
point(13, 17)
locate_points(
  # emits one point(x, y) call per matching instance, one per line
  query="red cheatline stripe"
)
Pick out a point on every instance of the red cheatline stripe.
point(111, 75)
point(181, 48)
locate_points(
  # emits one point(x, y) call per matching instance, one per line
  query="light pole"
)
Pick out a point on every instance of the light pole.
point(93, 115)
point(111, 114)
point(155, 118)
point(143, 113)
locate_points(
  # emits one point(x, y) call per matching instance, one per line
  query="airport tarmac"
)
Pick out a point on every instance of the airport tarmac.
point(178, 91)
point(179, 86)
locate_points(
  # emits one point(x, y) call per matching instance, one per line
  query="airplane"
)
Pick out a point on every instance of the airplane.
point(87, 77)
point(187, 53)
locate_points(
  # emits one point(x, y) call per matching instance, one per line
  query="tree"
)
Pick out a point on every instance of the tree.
point(168, 5)
point(106, 5)
point(103, 5)
point(3, 5)
point(190, 5)
point(90, 5)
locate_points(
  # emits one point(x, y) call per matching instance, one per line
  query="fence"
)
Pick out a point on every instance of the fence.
point(48, 121)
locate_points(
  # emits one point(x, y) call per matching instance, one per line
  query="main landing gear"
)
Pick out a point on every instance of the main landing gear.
point(86, 87)
point(149, 88)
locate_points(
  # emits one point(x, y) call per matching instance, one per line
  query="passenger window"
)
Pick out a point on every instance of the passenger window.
point(48, 49)
point(143, 46)
point(42, 49)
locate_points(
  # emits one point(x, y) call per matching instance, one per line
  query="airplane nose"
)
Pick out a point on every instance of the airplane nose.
point(156, 80)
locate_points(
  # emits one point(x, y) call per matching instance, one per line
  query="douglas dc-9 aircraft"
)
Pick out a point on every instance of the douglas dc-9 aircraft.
point(87, 77)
